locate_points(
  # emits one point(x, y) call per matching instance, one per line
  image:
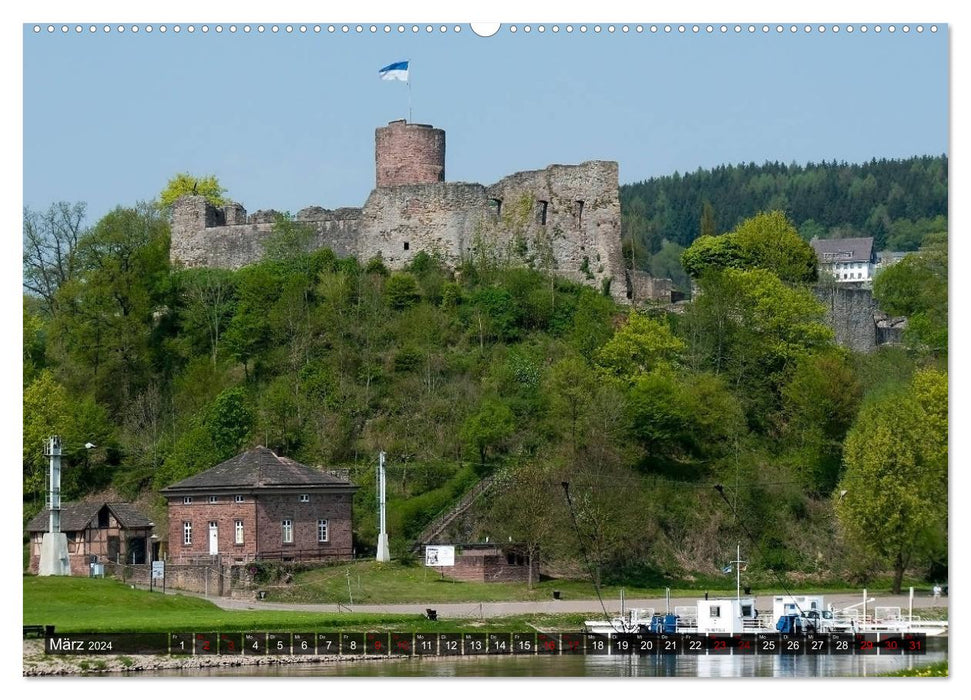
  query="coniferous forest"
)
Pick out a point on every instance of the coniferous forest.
point(496, 372)
point(897, 202)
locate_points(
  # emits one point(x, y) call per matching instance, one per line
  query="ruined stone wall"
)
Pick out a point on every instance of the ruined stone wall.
point(564, 219)
point(224, 237)
point(439, 219)
point(572, 211)
point(857, 320)
point(644, 286)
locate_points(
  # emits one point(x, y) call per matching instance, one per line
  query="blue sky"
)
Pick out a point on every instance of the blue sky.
point(287, 120)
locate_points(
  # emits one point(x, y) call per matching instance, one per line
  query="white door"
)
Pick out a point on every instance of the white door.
point(213, 537)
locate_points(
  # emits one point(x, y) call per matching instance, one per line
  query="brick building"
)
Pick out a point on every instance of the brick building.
point(259, 505)
point(491, 563)
point(115, 532)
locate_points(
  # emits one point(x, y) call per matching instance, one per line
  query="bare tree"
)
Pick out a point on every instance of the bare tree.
point(50, 238)
point(145, 423)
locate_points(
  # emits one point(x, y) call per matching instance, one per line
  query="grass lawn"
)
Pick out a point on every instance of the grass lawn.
point(103, 605)
point(370, 582)
point(934, 670)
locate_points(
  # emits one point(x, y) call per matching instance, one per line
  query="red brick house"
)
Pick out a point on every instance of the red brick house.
point(259, 505)
point(115, 532)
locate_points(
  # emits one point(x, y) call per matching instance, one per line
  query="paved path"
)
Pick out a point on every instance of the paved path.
point(592, 606)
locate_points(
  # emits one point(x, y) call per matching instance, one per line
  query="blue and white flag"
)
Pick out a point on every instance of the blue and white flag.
point(396, 71)
point(727, 569)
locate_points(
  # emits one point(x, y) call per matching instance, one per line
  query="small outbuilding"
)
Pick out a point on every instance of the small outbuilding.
point(97, 531)
point(487, 562)
point(260, 505)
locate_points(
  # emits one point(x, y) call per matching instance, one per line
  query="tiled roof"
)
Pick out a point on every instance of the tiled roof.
point(77, 516)
point(258, 468)
point(833, 250)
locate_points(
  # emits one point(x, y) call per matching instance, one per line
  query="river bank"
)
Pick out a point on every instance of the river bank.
point(36, 663)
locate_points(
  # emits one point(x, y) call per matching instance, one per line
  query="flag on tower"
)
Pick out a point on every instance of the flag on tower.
point(396, 71)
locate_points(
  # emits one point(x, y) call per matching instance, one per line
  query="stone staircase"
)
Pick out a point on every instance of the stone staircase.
point(445, 518)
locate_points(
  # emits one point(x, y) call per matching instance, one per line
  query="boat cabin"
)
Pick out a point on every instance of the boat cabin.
point(726, 615)
point(783, 605)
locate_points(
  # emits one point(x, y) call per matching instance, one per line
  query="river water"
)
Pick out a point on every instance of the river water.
point(752, 666)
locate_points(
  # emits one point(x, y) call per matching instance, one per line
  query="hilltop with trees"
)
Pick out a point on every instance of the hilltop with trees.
point(897, 202)
point(493, 372)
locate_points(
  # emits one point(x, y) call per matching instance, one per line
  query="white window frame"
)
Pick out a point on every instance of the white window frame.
point(305, 498)
point(323, 527)
point(238, 498)
point(186, 532)
point(214, 499)
point(187, 500)
point(287, 528)
point(239, 532)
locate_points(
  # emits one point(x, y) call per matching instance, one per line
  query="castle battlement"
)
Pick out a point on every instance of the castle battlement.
point(563, 218)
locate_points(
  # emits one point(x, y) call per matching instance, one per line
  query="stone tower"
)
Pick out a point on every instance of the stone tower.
point(409, 154)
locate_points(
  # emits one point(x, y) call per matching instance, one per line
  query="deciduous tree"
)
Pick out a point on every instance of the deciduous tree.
point(916, 287)
point(184, 183)
point(639, 346)
point(894, 490)
point(50, 238)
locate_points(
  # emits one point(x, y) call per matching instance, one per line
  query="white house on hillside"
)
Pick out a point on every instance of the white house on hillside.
point(848, 260)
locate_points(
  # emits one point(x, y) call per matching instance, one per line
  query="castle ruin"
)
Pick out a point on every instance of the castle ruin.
point(564, 219)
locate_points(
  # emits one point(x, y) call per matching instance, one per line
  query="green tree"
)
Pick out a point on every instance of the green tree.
point(571, 385)
point(770, 241)
point(488, 428)
point(707, 227)
point(46, 413)
point(249, 333)
point(821, 400)
point(750, 328)
point(684, 416)
point(209, 300)
point(811, 229)
point(401, 290)
point(906, 234)
point(50, 410)
point(33, 343)
point(660, 414)
point(639, 346)
point(711, 252)
point(916, 287)
point(895, 484)
point(184, 183)
point(210, 437)
point(767, 241)
point(102, 331)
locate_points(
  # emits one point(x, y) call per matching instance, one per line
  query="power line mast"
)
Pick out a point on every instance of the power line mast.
point(53, 551)
point(384, 553)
